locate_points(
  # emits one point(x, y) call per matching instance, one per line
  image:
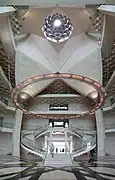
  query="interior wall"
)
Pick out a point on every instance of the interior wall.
point(5, 143)
point(110, 143)
point(77, 107)
point(33, 123)
point(109, 120)
point(9, 117)
point(85, 123)
point(39, 107)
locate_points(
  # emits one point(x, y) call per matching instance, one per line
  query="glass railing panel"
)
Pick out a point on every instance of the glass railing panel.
point(86, 144)
point(76, 130)
point(31, 144)
point(35, 129)
point(39, 131)
point(4, 100)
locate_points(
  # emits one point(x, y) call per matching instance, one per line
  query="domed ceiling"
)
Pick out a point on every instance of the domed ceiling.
point(82, 54)
point(43, 56)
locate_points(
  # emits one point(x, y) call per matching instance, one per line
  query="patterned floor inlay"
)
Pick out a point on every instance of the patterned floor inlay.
point(13, 169)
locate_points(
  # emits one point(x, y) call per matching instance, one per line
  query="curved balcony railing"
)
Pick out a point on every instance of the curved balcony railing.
point(39, 131)
point(85, 146)
point(4, 100)
point(76, 130)
point(28, 140)
point(31, 146)
point(36, 130)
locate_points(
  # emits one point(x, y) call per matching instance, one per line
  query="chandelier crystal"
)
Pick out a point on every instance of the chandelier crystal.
point(57, 28)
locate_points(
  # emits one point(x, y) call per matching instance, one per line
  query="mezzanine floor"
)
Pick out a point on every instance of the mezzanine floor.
point(12, 168)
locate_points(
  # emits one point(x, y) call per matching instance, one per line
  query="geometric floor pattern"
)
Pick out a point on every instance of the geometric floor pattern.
point(14, 169)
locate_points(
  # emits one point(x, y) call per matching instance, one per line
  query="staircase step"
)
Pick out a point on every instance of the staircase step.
point(58, 160)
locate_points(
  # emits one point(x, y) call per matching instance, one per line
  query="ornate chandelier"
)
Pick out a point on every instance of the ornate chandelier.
point(57, 28)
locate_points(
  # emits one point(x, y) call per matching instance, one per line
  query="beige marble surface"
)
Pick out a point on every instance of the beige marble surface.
point(57, 175)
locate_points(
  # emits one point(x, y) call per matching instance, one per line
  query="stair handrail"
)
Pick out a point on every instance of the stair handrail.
point(31, 144)
point(76, 130)
point(38, 131)
point(84, 145)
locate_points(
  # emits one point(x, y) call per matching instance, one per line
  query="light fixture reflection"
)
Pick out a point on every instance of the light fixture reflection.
point(93, 95)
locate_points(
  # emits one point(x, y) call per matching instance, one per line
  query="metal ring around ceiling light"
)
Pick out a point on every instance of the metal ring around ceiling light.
point(57, 28)
point(52, 76)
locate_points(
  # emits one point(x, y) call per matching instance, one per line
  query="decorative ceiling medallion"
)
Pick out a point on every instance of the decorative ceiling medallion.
point(89, 81)
point(57, 28)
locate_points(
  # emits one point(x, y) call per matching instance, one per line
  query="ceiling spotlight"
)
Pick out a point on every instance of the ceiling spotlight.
point(57, 23)
point(57, 28)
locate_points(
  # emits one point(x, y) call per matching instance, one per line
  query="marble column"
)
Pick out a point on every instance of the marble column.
point(100, 133)
point(16, 133)
point(65, 141)
point(46, 140)
point(50, 137)
point(71, 144)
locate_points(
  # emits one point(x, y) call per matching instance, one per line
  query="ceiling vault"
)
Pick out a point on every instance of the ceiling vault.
point(22, 23)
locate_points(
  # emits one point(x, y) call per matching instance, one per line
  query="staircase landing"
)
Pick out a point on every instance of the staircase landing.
point(59, 160)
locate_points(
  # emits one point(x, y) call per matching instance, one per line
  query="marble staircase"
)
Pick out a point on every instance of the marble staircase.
point(59, 160)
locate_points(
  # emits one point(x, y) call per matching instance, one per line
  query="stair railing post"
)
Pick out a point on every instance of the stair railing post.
point(50, 138)
point(65, 140)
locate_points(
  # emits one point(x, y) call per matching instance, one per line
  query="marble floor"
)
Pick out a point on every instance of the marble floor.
point(14, 169)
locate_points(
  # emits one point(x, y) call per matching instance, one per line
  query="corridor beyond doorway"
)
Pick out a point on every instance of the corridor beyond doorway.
point(59, 146)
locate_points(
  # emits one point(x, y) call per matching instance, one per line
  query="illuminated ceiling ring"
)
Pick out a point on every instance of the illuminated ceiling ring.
point(19, 88)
